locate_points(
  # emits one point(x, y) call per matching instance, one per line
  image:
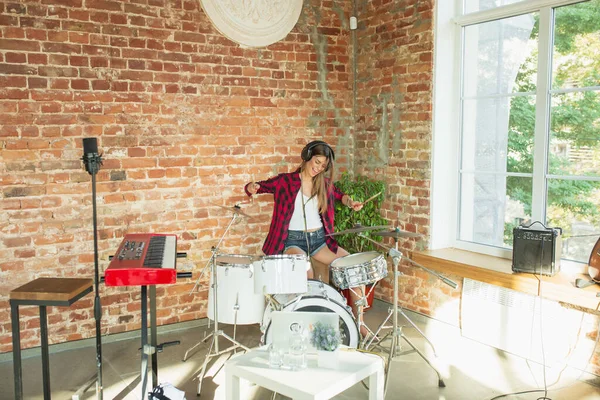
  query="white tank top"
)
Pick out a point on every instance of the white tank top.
point(313, 219)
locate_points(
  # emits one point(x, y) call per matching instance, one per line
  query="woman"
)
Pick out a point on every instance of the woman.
point(303, 213)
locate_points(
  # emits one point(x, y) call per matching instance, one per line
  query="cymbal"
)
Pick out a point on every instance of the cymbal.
point(357, 228)
point(235, 209)
point(396, 233)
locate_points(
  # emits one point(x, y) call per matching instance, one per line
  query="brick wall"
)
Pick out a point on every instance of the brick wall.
point(185, 118)
point(394, 131)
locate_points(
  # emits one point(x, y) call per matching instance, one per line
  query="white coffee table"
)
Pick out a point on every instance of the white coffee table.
point(311, 383)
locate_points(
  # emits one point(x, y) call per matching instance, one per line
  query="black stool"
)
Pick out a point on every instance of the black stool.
point(41, 292)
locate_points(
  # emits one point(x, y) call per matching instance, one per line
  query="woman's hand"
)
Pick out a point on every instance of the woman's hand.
point(355, 205)
point(253, 188)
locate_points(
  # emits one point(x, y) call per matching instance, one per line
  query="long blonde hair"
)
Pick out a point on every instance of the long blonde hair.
point(322, 182)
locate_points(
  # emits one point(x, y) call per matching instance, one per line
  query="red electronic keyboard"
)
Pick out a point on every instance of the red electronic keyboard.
point(143, 259)
point(146, 260)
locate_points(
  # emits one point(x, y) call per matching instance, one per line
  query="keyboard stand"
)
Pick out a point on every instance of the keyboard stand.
point(148, 349)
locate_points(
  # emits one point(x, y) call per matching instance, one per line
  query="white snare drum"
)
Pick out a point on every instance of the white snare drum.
point(235, 291)
point(358, 269)
point(285, 273)
point(320, 297)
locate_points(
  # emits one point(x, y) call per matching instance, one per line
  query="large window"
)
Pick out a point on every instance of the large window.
point(530, 123)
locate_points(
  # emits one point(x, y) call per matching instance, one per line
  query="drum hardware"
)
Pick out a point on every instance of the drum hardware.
point(396, 330)
point(396, 233)
point(357, 228)
point(272, 301)
point(295, 302)
point(362, 303)
point(323, 291)
point(213, 350)
point(236, 210)
point(356, 270)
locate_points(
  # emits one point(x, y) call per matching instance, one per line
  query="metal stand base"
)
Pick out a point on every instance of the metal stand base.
point(213, 351)
point(396, 332)
point(396, 345)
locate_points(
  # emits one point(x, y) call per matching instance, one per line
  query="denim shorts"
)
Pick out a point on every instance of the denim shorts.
point(316, 240)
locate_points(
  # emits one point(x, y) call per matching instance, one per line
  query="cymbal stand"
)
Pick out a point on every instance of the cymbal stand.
point(396, 332)
point(213, 350)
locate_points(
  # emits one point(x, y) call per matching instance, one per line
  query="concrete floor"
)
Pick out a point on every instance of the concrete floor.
point(470, 370)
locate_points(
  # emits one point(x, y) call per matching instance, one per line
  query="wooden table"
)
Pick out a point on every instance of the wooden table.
point(41, 292)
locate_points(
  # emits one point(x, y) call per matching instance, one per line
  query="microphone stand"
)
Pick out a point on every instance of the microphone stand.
point(92, 162)
point(396, 332)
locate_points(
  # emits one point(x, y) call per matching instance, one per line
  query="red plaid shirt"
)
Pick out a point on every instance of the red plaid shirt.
point(285, 188)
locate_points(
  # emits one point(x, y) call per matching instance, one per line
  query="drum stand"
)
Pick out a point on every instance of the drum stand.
point(213, 350)
point(396, 331)
point(361, 302)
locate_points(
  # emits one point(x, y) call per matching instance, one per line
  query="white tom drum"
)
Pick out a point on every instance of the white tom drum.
point(358, 269)
point(237, 302)
point(320, 297)
point(285, 273)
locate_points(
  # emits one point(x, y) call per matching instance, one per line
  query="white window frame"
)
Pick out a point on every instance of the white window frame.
point(445, 182)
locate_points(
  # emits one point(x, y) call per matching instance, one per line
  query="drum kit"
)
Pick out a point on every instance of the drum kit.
point(246, 289)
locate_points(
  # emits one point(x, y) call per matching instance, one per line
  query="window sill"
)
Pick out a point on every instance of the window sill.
point(497, 271)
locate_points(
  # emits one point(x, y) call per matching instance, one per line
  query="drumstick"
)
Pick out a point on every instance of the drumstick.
point(364, 202)
point(371, 198)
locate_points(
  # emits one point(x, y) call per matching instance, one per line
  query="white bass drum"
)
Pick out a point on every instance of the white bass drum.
point(320, 298)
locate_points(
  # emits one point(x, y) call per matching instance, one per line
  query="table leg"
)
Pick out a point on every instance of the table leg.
point(16, 343)
point(45, 357)
point(376, 381)
point(232, 385)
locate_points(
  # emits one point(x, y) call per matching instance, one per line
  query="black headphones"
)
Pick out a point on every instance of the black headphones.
point(307, 151)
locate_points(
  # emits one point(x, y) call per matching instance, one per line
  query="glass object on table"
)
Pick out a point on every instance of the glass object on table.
point(275, 356)
point(297, 348)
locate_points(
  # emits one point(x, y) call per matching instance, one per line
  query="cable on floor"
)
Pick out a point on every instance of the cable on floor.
point(545, 389)
point(563, 387)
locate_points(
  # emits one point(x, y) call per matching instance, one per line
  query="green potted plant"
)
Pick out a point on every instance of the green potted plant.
point(361, 188)
point(326, 340)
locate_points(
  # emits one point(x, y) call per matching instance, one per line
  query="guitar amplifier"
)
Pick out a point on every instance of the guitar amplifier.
point(537, 251)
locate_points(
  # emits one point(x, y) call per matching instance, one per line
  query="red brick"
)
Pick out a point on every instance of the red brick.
point(16, 242)
point(13, 81)
point(80, 84)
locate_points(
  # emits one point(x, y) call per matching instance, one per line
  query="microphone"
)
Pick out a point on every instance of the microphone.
point(91, 159)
